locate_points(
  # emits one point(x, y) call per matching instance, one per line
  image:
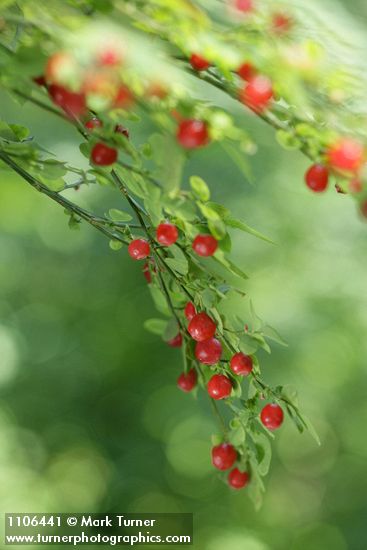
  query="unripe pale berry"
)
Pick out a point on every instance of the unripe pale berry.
point(192, 134)
point(246, 71)
point(241, 364)
point(176, 341)
point(201, 327)
point(208, 352)
point(238, 479)
point(258, 93)
point(317, 178)
point(224, 456)
point(167, 233)
point(73, 103)
point(205, 245)
point(347, 154)
point(139, 249)
point(272, 416)
point(219, 386)
point(190, 311)
point(198, 62)
point(93, 123)
point(187, 382)
point(103, 155)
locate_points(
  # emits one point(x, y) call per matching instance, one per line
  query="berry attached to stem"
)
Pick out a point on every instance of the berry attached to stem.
point(192, 133)
point(205, 245)
point(219, 386)
point(73, 103)
point(103, 155)
point(199, 63)
point(317, 178)
point(176, 341)
point(190, 311)
point(93, 123)
point(238, 479)
point(208, 352)
point(241, 364)
point(347, 154)
point(224, 456)
point(246, 71)
point(201, 327)
point(258, 93)
point(139, 249)
point(272, 416)
point(167, 234)
point(187, 382)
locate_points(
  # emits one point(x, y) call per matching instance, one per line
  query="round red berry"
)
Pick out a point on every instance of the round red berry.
point(246, 71)
point(176, 341)
point(272, 416)
point(346, 154)
point(317, 178)
point(73, 103)
point(238, 479)
point(167, 233)
point(199, 63)
point(208, 352)
point(187, 382)
point(258, 93)
point(204, 245)
point(244, 5)
point(201, 327)
point(147, 274)
point(139, 249)
point(93, 123)
point(241, 364)
point(190, 311)
point(281, 23)
point(103, 155)
point(219, 386)
point(123, 98)
point(224, 456)
point(120, 129)
point(192, 133)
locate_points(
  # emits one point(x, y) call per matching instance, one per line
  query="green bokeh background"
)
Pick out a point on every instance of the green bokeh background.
point(90, 418)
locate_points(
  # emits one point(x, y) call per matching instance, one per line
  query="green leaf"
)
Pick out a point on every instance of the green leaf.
point(219, 257)
point(287, 140)
point(200, 188)
point(238, 224)
point(263, 450)
point(119, 216)
point(272, 334)
point(156, 326)
point(218, 229)
point(171, 330)
point(170, 160)
point(237, 436)
point(180, 266)
point(20, 132)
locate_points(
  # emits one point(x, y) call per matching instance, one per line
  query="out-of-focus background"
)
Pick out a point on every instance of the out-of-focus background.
point(90, 418)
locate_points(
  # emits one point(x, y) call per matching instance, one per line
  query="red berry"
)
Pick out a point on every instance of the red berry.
point(199, 63)
point(347, 154)
point(73, 103)
point(241, 364)
point(120, 129)
point(109, 57)
point(272, 416)
point(93, 123)
point(176, 341)
point(201, 327)
point(246, 71)
point(103, 155)
point(317, 178)
point(192, 133)
point(244, 5)
point(139, 249)
point(190, 311)
point(39, 80)
point(219, 386)
point(147, 274)
point(204, 245)
point(224, 456)
point(167, 233)
point(123, 98)
point(208, 352)
point(258, 93)
point(187, 382)
point(281, 23)
point(238, 479)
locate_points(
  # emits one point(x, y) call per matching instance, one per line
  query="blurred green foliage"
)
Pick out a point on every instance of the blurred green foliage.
point(90, 419)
